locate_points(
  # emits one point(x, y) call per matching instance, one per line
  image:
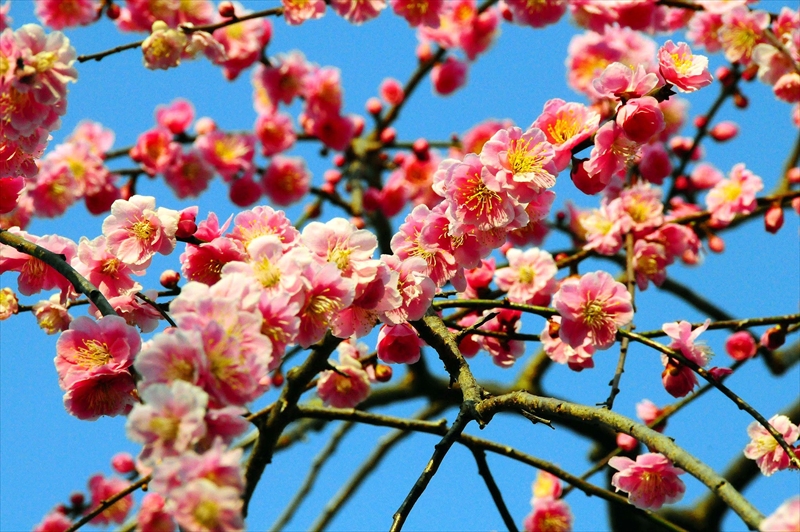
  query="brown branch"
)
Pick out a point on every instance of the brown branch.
point(107, 503)
point(491, 485)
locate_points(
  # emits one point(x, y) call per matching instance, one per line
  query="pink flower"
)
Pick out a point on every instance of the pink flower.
point(123, 463)
point(10, 189)
point(537, 14)
point(264, 220)
point(424, 234)
point(286, 180)
point(229, 153)
point(735, 195)
point(51, 317)
point(705, 176)
point(399, 344)
point(612, 152)
point(9, 304)
point(529, 274)
point(45, 66)
point(549, 515)
point(280, 322)
point(103, 269)
point(785, 518)
point(546, 485)
point(594, 307)
point(504, 352)
point(651, 481)
point(741, 345)
point(153, 517)
point(203, 506)
point(170, 421)
point(53, 190)
point(176, 117)
point(55, 521)
point(358, 11)
point(524, 161)
point(565, 125)
point(163, 48)
point(188, 174)
point(281, 82)
point(683, 338)
point(419, 12)
point(298, 11)
point(741, 31)
point(677, 378)
point(763, 447)
point(136, 230)
point(681, 68)
point(641, 119)
point(103, 488)
point(391, 91)
point(327, 292)
point(339, 242)
point(171, 356)
point(577, 359)
point(242, 43)
point(623, 81)
point(347, 386)
point(275, 131)
point(35, 275)
point(415, 287)
point(649, 261)
point(449, 76)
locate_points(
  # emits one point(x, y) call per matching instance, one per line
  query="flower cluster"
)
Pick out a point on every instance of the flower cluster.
point(550, 513)
point(650, 482)
point(35, 68)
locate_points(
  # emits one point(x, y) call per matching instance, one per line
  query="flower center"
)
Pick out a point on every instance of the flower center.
point(143, 230)
point(93, 354)
point(340, 257)
point(526, 275)
point(207, 514)
point(267, 273)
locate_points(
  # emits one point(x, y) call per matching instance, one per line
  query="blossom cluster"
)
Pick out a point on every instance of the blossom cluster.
point(549, 513)
point(35, 68)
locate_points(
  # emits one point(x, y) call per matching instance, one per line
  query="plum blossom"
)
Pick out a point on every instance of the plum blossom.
point(55, 521)
point(683, 338)
point(415, 287)
point(537, 14)
point(204, 506)
point(326, 293)
point(172, 356)
point(625, 82)
point(595, 307)
point(529, 274)
point(399, 344)
point(51, 316)
point(549, 515)
point(419, 12)
point(641, 119)
point(504, 352)
point(163, 48)
point(651, 481)
point(103, 269)
point(678, 379)
point(358, 11)
point(103, 488)
point(741, 345)
point(523, 161)
point(153, 517)
point(735, 195)
point(345, 387)
point(785, 518)
point(9, 304)
point(741, 31)
point(577, 358)
point(565, 125)
point(136, 230)
point(35, 275)
point(298, 11)
point(763, 447)
point(286, 180)
point(681, 68)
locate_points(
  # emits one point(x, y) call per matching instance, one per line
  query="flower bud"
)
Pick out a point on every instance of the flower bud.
point(750, 72)
point(383, 373)
point(339, 160)
point(374, 106)
point(793, 175)
point(123, 463)
point(277, 379)
point(358, 221)
point(169, 279)
point(391, 91)
point(700, 121)
point(449, 76)
point(740, 100)
point(388, 135)
point(421, 149)
point(226, 9)
point(716, 244)
point(113, 11)
point(741, 345)
point(773, 218)
point(77, 499)
point(625, 442)
point(774, 337)
point(724, 131)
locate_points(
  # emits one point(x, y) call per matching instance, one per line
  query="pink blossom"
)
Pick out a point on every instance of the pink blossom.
point(613, 151)
point(415, 287)
point(603, 228)
point(153, 517)
point(358, 11)
point(51, 317)
point(577, 358)
point(46, 64)
point(681, 68)
point(270, 270)
point(264, 220)
point(83, 162)
point(155, 150)
point(419, 12)
point(524, 161)
point(683, 338)
point(123, 463)
point(10, 189)
point(546, 485)
point(204, 263)
point(474, 139)
point(228, 153)
point(298, 11)
point(243, 43)
point(136, 230)
point(281, 82)
point(176, 117)
point(763, 447)
point(641, 119)
point(347, 386)
point(594, 307)
point(55, 521)
point(286, 180)
point(649, 262)
point(504, 352)
point(103, 269)
point(372, 299)
point(98, 138)
point(327, 292)
point(53, 190)
point(741, 31)
point(677, 378)
point(59, 14)
point(648, 412)
point(102, 392)
point(654, 163)
point(169, 422)
point(651, 481)
point(333, 130)
point(9, 304)
point(785, 518)
point(280, 322)
point(275, 131)
point(735, 195)
point(103, 488)
point(549, 515)
point(391, 91)
point(479, 279)
point(537, 14)
point(529, 274)
point(625, 82)
point(399, 344)
point(339, 242)
point(140, 14)
point(35, 275)
point(705, 176)
point(741, 345)
point(565, 125)
point(418, 236)
point(163, 48)
point(787, 88)
point(449, 76)
point(704, 30)
point(188, 174)
point(203, 506)
point(171, 356)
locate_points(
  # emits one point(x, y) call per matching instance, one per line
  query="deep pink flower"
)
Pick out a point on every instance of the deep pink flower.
point(566, 124)
point(327, 292)
point(649, 263)
point(594, 307)
point(681, 68)
point(10, 189)
point(171, 356)
point(677, 378)
point(89, 345)
point(683, 338)
point(103, 392)
point(577, 359)
point(204, 263)
point(391, 91)
point(35, 275)
point(735, 195)
point(176, 117)
point(286, 180)
point(654, 162)
point(51, 317)
point(229, 153)
point(449, 76)
point(503, 352)
point(103, 488)
point(136, 230)
point(358, 11)
point(55, 521)
point(623, 81)
point(537, 14)
point(763, 447)
point(415, 287)
point(188, 174)
point(529, 274)
point(103, 269)
point(613, 151)
point(153, 517)
point(203, 506)
point(347, 386)
point(785, 518)
point(298, 11)
point(275, 131)
point(741, 345)
point(242, 43)
point(155, 150)
point(641, 119)
point(281, 82)
point(420, 235)
point(549, 514)
point(419, 12)
point(399, 344)
point(651, 481)
point(123, 463)
point(523, 161)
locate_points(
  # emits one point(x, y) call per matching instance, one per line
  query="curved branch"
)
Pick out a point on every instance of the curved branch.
point(107, 503)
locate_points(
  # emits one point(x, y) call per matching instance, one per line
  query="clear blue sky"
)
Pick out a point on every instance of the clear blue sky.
point(45, 454)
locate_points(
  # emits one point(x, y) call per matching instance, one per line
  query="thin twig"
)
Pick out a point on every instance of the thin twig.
point(157, 307)
point(107, 503)
point(491, 485)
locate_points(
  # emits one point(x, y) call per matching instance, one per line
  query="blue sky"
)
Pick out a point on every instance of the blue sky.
point(45, 454)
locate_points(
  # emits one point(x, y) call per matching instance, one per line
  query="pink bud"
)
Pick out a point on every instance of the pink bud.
point(358, 221)
point(718, 373)
point(700, 121)
point(245, 192)
point(749, 73)
point(332, 176)
point(506, 12)
point(716, 244)
point(113, 11)
point(77, 499)
point(793, 175)
point(339, 160)
point(625, 442)
point(226, 9)
point(204, 125)
point(277, 379)
point(169, 279)
point(424, 52)
point(391, 91)
point(724, 75)
point(740, 345)
point(388, 135)
point(374, 106)
point(420, 148)
point(383, 373)
point(327, 188)
point(773, 218)
point(358, 125)
point(724, 131)
point(449, 76)
point(186, 224)
point(583, 181)
point(774, 337)
point(123, 463)
point(787, 88)
point(641, 118)
point(740, 100)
